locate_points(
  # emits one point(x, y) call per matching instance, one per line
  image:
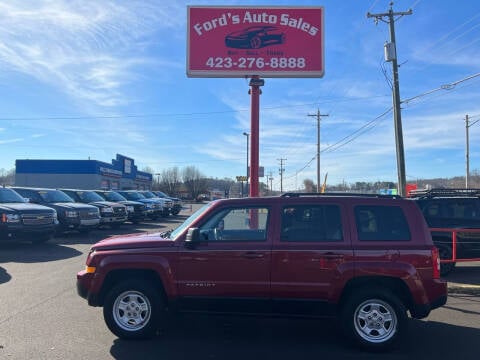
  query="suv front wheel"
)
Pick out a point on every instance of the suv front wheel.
point(132, 309)
point(375, 320)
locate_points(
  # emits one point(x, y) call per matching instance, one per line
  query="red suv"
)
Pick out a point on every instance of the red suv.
point(365, 259)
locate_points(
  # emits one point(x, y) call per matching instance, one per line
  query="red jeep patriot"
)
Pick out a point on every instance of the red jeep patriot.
point(365, 259)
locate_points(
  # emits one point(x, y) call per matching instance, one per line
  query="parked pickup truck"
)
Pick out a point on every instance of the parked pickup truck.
point(112, 214)
point(367, 261)
point(20, 220)
point(136, 211)
point(72, 216)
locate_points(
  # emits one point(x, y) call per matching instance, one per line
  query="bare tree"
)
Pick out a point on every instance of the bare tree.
point(194, 181)
point(170, 181)
point(309, 185)
point(7, 177)
point(148, 169)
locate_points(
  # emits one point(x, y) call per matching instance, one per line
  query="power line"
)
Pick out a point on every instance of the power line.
point(449, 86)
point(94, 117)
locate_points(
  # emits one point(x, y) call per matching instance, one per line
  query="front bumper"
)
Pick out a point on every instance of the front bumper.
point(22, 232)
point(85, 281)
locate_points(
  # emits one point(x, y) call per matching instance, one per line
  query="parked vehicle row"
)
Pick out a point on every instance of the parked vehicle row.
point(36, 214)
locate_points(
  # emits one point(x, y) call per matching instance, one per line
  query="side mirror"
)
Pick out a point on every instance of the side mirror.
point(193, 237)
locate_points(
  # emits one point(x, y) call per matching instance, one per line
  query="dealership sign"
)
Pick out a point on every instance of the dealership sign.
point(258, 40)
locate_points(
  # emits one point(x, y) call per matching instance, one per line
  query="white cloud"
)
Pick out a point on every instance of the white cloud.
point(85, 48)
point(9, 141)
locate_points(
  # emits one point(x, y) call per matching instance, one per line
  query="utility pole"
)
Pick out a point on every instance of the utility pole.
point(270, 178)
point(391, 55)
point(318, 116)
point(467, 149)
point(467, 153)
point(280, 171)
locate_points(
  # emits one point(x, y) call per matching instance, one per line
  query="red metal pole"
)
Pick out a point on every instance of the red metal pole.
point(254, 137)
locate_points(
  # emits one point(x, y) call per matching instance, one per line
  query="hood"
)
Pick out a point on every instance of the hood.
point(130, 203)
point(72, 205)
point(103, 204)
point(133, 241)
point(24, 207)
point(148, 201)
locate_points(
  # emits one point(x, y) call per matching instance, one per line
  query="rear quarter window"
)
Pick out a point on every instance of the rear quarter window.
point(381, 223)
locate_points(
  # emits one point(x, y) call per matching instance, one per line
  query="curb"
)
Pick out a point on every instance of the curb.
point(454, 288)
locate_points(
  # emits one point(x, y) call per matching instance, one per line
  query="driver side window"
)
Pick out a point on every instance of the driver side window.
point(236, 224)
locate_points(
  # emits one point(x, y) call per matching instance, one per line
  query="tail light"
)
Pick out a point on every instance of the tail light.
point(436, 263)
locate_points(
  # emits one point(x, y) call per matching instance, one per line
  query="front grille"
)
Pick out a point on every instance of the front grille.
point(38, 219)
point(119, 210)
point(89, 214)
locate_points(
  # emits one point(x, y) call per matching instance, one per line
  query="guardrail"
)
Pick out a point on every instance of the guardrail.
point(454, 243)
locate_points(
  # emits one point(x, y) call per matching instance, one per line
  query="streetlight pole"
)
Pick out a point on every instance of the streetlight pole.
point(247, 135)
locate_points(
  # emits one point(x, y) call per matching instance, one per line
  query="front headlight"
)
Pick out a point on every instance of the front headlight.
point(106, 210)
point(10, 218)
point(130, 209)
point(71, 214)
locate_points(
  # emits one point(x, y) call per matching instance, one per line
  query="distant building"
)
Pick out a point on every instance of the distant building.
point(122, 173)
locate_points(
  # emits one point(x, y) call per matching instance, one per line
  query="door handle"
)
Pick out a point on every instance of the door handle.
point(332, 256)
point(253, 255)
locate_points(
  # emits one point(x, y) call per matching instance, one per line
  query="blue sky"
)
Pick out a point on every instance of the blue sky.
point(90, 79)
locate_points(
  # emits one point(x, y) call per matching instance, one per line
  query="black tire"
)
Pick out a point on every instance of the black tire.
point(133, 309)
point(375, 320)
point(445, 252)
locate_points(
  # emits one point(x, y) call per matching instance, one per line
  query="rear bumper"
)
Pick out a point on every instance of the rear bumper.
point(437, 297)
point(420, 311)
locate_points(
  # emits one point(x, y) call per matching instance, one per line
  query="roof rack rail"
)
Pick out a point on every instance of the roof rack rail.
point(454, 192)
point(300, 194)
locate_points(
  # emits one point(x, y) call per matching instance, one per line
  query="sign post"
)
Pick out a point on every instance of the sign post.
point(255, 42)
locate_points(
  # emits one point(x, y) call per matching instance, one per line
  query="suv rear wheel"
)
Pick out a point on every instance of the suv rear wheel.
point(132, 309)
point(375, 319)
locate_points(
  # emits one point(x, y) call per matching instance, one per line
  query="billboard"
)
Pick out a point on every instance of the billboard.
point(238, 41)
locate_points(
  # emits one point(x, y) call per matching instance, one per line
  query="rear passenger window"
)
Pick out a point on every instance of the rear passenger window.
point(381, 223)
point(311, 223)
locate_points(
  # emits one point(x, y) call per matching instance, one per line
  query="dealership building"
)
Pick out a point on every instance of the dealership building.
point(121, 174)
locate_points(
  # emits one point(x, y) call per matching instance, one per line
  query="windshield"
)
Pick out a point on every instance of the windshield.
point(10, 196)
point(89, 196)
point(190, 220)
point(133, 196)
point(54, 196)
point(161, 194)
point(113, 196)
point(149, 195)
